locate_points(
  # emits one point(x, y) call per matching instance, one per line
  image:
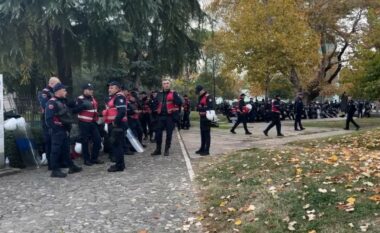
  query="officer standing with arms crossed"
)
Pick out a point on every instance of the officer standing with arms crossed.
point(167, 110)
point(87, 108)
point(59, 120)
point(115, 116)
point(205, 103)
point(276, 103)
point(43, 98)
point(298, 109)
point(242, 112)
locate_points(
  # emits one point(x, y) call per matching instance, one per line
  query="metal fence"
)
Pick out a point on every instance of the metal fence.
point(28, 107)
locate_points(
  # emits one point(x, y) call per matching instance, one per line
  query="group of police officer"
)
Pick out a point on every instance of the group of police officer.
point(243, 112)
point(124, 109)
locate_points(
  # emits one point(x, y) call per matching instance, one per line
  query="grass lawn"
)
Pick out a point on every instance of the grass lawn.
point(363, 122)
point(329, 185)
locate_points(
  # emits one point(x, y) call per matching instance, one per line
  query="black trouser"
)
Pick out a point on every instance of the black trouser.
point(118, 144)
point(242, 118)
point(360, 113)
point(164, 123)
point(186, 120)
point(60, 149)
point(136, 128)
point(275, 122)
point(350, 118)
point(153, 124)
point(145, 123)
point(297, 121)
point(205, 134)
point(90, 131)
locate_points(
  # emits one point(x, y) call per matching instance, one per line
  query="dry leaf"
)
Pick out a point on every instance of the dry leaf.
point(237, 222)
point(142, 231)
point(351, 201)
point(322, 190)
point(375, 197)
point(231, 209)
point(291, 226)
point(250, 208)
point(312, 231)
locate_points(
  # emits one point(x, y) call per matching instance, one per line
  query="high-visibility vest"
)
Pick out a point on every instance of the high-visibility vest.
point(89, 115)
point(203, 103)
point(170, 106)
point(110, 113)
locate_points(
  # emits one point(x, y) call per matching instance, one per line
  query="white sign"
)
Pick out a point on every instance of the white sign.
point(2, 158)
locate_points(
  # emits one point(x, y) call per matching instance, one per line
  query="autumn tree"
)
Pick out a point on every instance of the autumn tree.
point(265, 39)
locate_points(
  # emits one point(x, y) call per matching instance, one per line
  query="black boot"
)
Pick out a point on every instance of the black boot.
point(58, 174)
point(157, 151)
point(166, 153)
point(114, 168)
point(199, 151)
point(74, 169)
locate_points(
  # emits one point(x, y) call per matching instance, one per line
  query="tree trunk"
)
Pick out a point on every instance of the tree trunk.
point(64, 69)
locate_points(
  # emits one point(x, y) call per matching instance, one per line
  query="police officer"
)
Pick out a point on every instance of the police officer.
point(43, 98)
point(205, 103)
point(276, 103)
point(242, 112)
point(59, 120)
point(87, 109)
point(153, 104)
point(167, 110)
point(133, 114)
point(298, 109)
point(145, 114)
point(115, 117)
point(351, 109)
point(186, 112)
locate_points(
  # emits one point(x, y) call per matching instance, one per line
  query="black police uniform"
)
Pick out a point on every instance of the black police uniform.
point(205, 103)
point(59, 120)
point(242, 117)
point(88, 127)
point(351, 109)
point(43, 98)
point(153, 104)
point(186, 114)
point(166, 120)
point(298, 109)
point(117, 131)
point(275, 118)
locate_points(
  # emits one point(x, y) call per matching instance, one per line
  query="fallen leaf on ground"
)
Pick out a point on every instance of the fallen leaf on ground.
point(375, 198)
point(238, 222)
point(291, 226)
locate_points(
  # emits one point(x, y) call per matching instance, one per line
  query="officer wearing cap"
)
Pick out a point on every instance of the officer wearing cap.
point(58, 119)
point(43, 98)
point(115, 117)
point(276, 104)
point(86, 107)
point(299, 110)
point(205, 103)
point(167, 111)
point(242, 112)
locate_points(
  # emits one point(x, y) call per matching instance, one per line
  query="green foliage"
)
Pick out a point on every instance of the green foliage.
point(147, 39)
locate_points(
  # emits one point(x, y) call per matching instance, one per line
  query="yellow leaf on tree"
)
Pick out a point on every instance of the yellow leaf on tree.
point(238, 222)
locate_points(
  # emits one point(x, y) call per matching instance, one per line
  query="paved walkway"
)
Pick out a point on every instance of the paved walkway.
point(153, 194)
point(223, 141)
